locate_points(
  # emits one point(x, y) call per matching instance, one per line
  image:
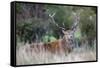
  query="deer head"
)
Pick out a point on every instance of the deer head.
point(68, 34)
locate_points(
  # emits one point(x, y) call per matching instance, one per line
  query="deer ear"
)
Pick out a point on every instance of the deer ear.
point(73, 30)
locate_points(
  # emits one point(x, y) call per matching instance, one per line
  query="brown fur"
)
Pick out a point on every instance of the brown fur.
point(56, 47)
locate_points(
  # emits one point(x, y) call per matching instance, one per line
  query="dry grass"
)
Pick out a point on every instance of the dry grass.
point(26, 56)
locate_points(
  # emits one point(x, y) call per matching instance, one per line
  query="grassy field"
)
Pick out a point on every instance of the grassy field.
point(25, 55)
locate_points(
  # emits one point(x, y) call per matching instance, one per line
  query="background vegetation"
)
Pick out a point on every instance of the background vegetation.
point(34, 24)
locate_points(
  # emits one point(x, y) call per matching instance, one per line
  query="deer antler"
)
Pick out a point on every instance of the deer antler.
point(76, 20)
point(53, 21)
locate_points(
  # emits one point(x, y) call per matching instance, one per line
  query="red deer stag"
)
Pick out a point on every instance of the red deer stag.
point(63, 45)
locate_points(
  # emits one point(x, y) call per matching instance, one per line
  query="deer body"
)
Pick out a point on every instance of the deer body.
point(57, 47)
point(61, 45)
point(64, 45)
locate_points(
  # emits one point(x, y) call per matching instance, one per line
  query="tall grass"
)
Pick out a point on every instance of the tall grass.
point(26, 55)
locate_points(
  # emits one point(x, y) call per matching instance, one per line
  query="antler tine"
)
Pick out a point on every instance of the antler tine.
point(52, 17)
point(63, 24)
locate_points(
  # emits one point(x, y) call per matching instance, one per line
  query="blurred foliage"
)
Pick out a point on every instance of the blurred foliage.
point(48, 38)
point(39, 23)
point(78, 34)
point(88, 24)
